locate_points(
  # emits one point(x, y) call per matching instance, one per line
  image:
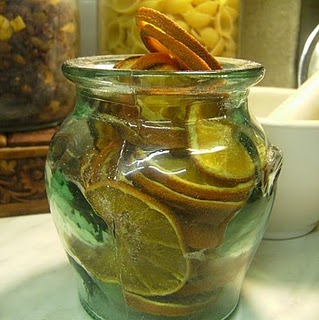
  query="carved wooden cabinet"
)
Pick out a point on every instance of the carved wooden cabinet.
point(22, 161)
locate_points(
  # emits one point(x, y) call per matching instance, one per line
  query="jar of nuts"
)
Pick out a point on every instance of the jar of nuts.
point(36, 37)
point(214, 23)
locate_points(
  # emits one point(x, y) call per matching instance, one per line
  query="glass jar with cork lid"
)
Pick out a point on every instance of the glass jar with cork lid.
point(214, 23)
point(36, 36)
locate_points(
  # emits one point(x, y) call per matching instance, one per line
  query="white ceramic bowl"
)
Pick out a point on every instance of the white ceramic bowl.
point(296, 208)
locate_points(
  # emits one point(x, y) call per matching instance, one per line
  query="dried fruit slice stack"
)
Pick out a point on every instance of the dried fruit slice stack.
point(174, 198)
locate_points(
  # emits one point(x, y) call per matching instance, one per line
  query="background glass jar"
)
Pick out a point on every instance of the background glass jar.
point(160, 185)
point(36, 37)
point(214, 23)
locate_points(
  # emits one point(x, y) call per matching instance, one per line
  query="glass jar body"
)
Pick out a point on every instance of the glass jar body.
point(214, 23)
point(147, 189)
point(36, 37)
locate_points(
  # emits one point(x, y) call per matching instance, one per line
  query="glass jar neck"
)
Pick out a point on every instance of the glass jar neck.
point(98, 75)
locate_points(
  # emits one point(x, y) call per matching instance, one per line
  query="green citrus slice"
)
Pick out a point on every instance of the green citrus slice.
point(149, 244)
point(214, 149)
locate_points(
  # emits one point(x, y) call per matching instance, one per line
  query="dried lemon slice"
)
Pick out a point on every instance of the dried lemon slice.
point(149, 244)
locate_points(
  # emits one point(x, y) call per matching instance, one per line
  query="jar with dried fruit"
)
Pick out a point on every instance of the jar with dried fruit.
point(161, 181)
point(215, 23)
point(36, 37)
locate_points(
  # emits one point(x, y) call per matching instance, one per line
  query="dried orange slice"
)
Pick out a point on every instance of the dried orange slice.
point(169, 306)
point(162, 120)
point(214, 149)
point(199, 286)
point(208, 211)
point(204, 209)
point(204, 235)
point(159, 33)
point(150, 61)
point(158, 120)
point(100, 165)
point(167, 137)
point(179, 173)
point(155, 40)
point(150, 249)
point(126, 63)
point(100, 260)
point(156, 61)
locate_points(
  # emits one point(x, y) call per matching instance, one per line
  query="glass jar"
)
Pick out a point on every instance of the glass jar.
point(160, 185)
point(214, 23)
point(36, 37)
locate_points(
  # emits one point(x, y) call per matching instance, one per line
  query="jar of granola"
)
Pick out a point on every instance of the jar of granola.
point(36, 37)
point(214, 23)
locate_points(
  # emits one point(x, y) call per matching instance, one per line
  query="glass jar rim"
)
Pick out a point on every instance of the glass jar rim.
point(103, 64)
point(97, 74)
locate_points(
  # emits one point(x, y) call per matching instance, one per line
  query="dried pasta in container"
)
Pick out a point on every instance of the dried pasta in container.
point(214, 23)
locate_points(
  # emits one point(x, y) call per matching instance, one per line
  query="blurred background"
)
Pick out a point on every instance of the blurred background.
point(272, 32)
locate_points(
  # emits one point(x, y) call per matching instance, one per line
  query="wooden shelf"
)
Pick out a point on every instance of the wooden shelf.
point(22, 162)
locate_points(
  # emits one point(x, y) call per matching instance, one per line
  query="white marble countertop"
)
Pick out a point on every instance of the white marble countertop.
point(38, 284)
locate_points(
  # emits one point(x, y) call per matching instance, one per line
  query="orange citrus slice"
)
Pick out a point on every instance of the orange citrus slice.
point(101, 162)
point(149, 244)
point(150, 61)
point(162, 120)
point(204, 235)
point(126, 63)
point(199, 286)
point(180, 174)
point(170, 306)
point(215, 151)
point(100, 260)
point(98, 165)
point(156, 40)
point(159, 33)
point(166, 137)
point(156, 61)
point(159, 121)
point(208, 211)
